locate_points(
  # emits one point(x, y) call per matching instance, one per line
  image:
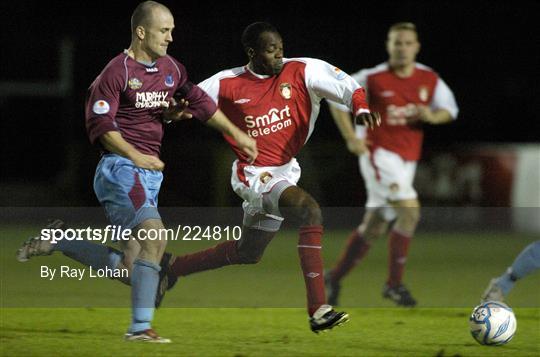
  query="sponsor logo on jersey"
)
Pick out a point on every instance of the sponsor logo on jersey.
point(285, 90)
point(169, 81)
point(339, 73)
point(387, 93)
point(101, 107)
point(152, 69)
point(274, 121)
point(423, 93)
point(242, 101)
point(151, 100)
point(397, 115)
point(134, 83)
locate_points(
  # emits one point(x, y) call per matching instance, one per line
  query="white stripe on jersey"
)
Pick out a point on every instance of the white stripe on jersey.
point(324, 80)
point(211, 85)
point(125, 66)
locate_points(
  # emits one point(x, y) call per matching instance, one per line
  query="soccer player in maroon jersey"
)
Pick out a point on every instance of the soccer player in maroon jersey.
point(126, 106)
point(276, 101)
point(408, 95)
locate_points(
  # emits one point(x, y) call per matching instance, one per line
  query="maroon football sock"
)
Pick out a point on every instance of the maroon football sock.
point(212, 258)
point(309, 250)
point(398, 245)
point(357, 247)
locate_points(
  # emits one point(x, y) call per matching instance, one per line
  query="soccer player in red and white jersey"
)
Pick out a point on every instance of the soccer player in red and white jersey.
point(276, 101)
point(408, 95)
point(125, 109)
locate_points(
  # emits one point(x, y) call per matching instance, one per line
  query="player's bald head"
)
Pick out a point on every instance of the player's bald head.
point(144, 13)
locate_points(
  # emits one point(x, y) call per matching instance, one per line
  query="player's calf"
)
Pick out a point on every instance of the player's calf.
point(251, 246)
point(167, 278)
point(333, 289)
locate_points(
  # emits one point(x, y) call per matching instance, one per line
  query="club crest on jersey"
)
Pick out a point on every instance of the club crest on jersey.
point(169, 81)
point(101, 107)
point(265, 177)
point(423, 93)
point(285, 90)
point(134, 83)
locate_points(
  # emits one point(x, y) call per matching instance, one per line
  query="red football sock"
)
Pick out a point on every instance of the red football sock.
point(309, 250)
point(212, 258)
point(356, 249)
point(398, 245)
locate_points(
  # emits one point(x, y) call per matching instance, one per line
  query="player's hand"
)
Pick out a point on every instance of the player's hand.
point(357, 146)
point(148, 162)
point(176, 111)
point(370, 120)
point(423, 113)
point(248, 146)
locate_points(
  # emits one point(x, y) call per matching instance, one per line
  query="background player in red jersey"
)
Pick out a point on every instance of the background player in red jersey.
point(125, 109)
point(407, 94)
point(276, 101)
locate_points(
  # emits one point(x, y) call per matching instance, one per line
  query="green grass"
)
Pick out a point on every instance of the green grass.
point(258, 310)
point(257, 332)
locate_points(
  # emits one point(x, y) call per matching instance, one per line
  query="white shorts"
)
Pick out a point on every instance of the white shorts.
point(260, 188)
point(388, 178)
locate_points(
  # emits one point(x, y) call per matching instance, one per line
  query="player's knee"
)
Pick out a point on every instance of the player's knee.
point(301, 207)
point(152, 250)
point(128, 259)
point(373, 232)
point(413, 214)
point(311, 213)
point(409, 217)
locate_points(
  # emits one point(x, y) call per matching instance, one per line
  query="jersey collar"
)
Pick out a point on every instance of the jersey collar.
point(260, 76)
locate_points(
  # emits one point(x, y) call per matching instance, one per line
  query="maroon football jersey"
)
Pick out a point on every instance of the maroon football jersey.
point(129, 97)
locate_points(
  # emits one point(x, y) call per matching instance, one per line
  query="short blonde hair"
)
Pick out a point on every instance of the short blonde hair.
point(403, 26)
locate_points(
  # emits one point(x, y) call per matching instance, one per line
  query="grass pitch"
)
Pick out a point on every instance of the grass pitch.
point(258, 310)
point(246, 332)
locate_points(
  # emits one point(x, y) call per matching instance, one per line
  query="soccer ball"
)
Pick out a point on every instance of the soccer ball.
point(492, 323)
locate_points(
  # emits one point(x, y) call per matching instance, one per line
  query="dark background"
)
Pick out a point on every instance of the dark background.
point(486, 51)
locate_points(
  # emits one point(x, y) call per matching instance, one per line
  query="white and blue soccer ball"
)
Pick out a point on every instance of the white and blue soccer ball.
point(493, 323)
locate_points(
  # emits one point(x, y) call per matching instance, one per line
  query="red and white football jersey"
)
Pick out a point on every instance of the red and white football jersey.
point(280, 111)
point(395, 98)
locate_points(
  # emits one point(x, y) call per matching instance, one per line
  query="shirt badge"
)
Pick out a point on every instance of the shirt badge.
point(169, 81)
point(101, 107)
point(134, 83)
point(285, 90)
point(423, 93)
point(339, 73)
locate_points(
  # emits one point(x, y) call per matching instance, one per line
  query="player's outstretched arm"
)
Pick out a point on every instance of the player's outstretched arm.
point(342, 119)
point(436, 117)
point(114, 142)
point(221, 123)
